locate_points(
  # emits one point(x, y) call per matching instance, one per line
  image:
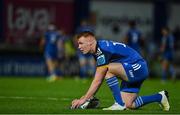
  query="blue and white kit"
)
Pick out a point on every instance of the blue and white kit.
point(51, 48)
point(134, 39)
point(134, 65)
point(168, 42)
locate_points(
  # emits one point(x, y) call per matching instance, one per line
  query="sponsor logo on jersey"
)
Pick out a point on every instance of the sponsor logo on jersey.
point(131, 73)
point(101, 60)
point(99, 52)
point(136, 66)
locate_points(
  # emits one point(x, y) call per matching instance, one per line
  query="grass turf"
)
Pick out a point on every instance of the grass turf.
point(37, 96)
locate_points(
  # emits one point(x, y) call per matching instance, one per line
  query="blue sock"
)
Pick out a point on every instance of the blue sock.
point(114, 86)
point(142, 100)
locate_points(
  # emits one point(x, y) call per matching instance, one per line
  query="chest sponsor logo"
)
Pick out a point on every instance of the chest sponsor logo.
point(101, 60)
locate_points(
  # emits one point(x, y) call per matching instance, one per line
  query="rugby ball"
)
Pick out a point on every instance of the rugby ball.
point(90, 104)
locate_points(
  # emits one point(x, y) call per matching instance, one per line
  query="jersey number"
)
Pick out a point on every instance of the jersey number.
point(115, 43)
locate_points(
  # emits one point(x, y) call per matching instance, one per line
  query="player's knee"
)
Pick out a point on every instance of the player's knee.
point(108, 75)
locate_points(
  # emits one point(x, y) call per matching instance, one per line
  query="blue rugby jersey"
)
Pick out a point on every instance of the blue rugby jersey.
point(134, 37)
point(169, 43)
point(51, 38)
point(110, 51)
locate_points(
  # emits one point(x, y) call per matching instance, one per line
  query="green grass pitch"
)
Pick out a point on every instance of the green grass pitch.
point(37, 96)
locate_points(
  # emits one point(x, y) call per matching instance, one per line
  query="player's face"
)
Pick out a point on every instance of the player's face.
point(84, 44)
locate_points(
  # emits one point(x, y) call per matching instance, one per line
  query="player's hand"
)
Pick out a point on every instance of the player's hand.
point(77, 102)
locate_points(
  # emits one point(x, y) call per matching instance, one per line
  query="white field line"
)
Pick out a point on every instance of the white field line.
point(43, 98)
point(35, 98)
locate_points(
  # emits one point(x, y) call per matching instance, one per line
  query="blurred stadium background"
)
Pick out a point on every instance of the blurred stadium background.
point(23, 23)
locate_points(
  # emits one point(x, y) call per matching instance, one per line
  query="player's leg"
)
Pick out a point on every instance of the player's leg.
point(118, 70)
point(133, 101)
point(51, 64)
point(130, 88)
point(143, 100)
point(112, 82)
point(165, 65)
point(172, 71)
point(126, 72)
point(171, 66)
point(168, 65)
point(52, 69)
point(128, 98)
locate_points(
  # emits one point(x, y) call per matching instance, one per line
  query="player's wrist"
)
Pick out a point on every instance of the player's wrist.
point(82, 97)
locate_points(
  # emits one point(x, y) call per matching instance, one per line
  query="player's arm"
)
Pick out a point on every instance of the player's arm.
point(97, 81)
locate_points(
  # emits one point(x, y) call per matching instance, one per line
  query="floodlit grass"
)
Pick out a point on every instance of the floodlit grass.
point(37, 96)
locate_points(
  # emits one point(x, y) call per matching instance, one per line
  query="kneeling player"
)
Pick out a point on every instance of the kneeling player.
point(117, 60)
